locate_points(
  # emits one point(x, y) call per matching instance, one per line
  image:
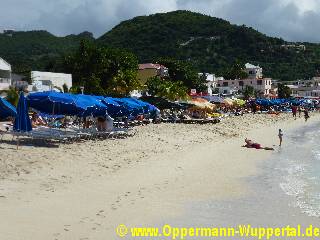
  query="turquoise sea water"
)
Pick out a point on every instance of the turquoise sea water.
point(299, 168)
point(285, 192)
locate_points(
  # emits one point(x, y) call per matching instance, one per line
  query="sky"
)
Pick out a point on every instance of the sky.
point(292, 20)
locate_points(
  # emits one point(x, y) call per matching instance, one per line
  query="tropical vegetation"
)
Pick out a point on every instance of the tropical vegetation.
point(184, 41)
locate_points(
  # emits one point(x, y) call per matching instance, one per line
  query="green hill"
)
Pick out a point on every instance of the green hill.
point(212, 44)
point(36, 50)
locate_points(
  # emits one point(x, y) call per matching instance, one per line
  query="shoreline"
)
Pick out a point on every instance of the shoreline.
point(265, 205)
point(85, 190)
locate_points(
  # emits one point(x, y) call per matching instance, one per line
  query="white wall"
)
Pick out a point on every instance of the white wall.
point(4, 65)
point(5, 80)
point(48, 78)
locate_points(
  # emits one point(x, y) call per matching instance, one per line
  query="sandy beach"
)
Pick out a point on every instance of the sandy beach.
point(84, 190)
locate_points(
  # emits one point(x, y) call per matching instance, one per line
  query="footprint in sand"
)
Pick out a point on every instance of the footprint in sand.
point(100, 214)
point(113, 207)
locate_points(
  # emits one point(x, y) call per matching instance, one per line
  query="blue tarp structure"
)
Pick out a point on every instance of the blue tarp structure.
point(272, 102)
point(22, 121)
point(279, 102)
point(213, 99)
point(7, 109)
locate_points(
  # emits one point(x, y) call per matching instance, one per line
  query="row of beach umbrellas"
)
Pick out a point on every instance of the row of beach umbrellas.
point(54, 103)
point(86, 105)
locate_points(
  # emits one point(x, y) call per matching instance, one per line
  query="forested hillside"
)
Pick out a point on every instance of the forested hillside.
point(210, 44)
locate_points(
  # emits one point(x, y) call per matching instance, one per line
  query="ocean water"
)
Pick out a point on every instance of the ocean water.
point(285, 192)
point(299, 169)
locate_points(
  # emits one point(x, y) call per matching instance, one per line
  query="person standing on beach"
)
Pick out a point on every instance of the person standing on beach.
point(306, 114)
point(294, 111)
point(299, 111)
point(254, 108)
point(280, 135)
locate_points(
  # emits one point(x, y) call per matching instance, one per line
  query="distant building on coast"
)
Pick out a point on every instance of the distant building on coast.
point(255, 79)
point(149, 70)
point(211, 82)
point(5, 75)
point(49, 81)
point(18, 82)
point(305, 88)
point(8, 32)
point(297, 47)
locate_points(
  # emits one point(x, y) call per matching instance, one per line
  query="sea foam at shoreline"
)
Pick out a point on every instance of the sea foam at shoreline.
point(299, 166)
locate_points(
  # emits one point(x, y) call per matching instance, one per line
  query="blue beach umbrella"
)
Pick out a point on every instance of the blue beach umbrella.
point(51, 102)
point(7, 109)
point(22, 121)
point(131, 106)
point(91, 105)
point(114, 108)
point(143, 104)
point(149, 107)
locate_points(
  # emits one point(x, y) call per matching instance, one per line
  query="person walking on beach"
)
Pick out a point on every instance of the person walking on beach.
point(294, 111)
point(299, 111)
point(280, 135)
point(254, 108)
point(306, 114)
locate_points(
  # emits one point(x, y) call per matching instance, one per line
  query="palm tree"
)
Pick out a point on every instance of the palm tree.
point(12, 96)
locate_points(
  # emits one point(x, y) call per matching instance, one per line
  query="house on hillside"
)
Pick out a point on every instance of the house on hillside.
point(5, 75)
point(49, 81)
point(148, 70)
point(305, 88)
point(211, 82)
point(255, 79)
point(254, 72)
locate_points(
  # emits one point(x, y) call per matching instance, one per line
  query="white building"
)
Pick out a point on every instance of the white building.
point(5, 75)
point(255, 79)
point(253, 71)
point(49, 81)
point(304, 91)
point(305, 88)
point(211, 82)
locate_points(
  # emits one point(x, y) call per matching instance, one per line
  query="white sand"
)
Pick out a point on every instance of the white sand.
point(84, 190)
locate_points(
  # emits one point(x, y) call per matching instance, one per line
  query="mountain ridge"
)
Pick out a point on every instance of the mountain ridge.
point(211, 44)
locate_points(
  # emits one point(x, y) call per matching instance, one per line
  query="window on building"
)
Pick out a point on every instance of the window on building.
point(232, 83)
point(259, 82)
point(251, 72)
point(225, 84)
point(225, 91)
point(241, 83)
